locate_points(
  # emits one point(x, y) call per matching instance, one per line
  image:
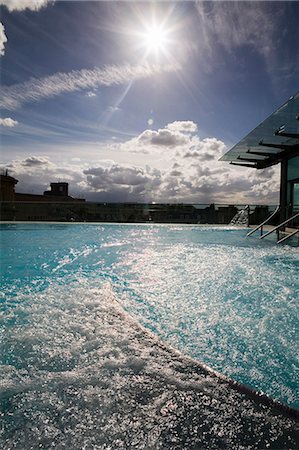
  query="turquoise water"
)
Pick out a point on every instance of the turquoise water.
point(217, 296)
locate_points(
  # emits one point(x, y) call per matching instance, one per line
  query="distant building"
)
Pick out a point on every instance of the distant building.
point(7, 188)
point(58, 193)
point(55, 204)
point(58, 189)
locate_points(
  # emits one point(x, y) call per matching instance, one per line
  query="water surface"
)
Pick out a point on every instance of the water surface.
point(220, 298)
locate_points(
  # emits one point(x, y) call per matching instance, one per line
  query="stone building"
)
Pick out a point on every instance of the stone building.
point(7, 188)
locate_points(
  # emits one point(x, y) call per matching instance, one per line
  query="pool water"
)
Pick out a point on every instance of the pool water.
point(223, 299)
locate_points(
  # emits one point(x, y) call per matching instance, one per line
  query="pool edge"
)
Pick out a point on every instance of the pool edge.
point(253, 394)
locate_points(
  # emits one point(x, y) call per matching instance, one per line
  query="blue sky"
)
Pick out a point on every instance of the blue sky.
point(137, 101)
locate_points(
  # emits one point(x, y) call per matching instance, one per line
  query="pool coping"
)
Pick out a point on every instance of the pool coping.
point(257, 396)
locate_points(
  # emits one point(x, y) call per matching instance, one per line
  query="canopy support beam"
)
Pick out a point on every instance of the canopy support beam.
point(283, 189)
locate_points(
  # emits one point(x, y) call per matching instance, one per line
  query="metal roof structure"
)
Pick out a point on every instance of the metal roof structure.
point(274, 140)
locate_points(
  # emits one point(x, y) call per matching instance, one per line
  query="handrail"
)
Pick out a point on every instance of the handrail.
point(264, 223)
point(288, 236)
point(280, 225)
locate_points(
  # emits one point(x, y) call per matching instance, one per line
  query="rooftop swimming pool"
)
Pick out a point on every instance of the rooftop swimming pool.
point(228, 301)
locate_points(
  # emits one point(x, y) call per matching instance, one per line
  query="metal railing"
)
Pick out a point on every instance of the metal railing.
point(287, 236)
point(277, 228)
point(263, 223)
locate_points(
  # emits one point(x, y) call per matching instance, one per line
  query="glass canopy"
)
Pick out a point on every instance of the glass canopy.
point(275, 139)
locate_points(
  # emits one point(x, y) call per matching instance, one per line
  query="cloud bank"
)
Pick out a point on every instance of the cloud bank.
point(192, 173)
point(37, 89)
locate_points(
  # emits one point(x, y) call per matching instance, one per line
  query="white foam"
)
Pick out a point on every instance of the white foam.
point(78, 372)
point(83, 374)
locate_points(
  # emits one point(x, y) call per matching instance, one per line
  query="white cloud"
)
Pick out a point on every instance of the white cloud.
point(33, 161)
point(21, 5)
point(265, 182)
point(105, 181)
point(175, 173)
point(38, 89)
point(113, 109)
point(178, 137)
point(183, 126)
point(175, 135)
point(90, 94)
point(3, 39)
point(36, 172)
point(8, 122)
point(192, 172)
point(116, 174)
point(122, 182)
point(161, 176)
point(162, 137)
point(207, 149)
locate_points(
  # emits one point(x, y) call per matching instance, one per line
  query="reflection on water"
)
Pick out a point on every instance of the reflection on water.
point(76, 369)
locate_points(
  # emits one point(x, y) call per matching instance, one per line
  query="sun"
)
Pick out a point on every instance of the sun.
point(155, 39)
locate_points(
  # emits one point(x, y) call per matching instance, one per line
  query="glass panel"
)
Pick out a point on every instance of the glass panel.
point(296, 197)
point(285, 116)
point(293, 168)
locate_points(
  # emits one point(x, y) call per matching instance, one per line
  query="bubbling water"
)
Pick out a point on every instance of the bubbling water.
point(225, 300)
point(79, 372)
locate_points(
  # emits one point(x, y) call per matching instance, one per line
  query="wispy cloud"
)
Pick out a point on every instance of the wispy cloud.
point(21, 5)
point(239, 23)
point(259, 28)
point(37, 89)
point(113, 109)
point(8, 122)
point(3, 39)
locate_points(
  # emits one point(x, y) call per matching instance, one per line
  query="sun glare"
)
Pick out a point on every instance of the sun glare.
point(155, 39)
